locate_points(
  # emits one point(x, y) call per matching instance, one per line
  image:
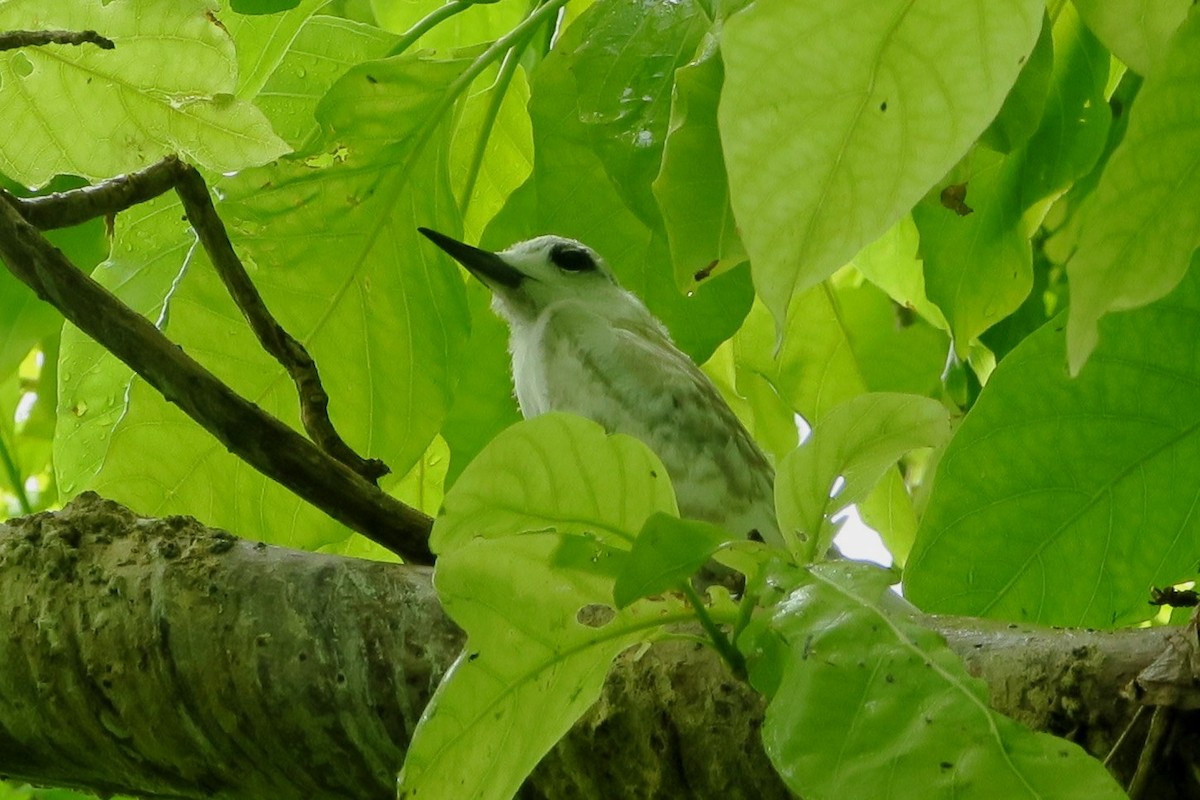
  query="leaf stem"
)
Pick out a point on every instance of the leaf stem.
point(499, 90)
point(720, 642)
point(427, 23)
point(460, 84)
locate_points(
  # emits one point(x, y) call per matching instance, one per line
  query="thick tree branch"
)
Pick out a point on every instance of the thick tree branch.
point(258, 438)
point(161, 658)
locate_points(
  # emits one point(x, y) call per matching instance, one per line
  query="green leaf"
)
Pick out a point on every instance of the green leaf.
point(1137, 31)
point(558, 472)
point(323, 50)
point(978, 266)
point(896, 350)
point(533, 536)
point(264, 40)
point(541, 636)
point(815, 368)
point(667, 552)
point(600, 108)
point(1142, 223)
point(691, 187)
point(494, 137)
point(1022, 109)
point(856, 442)
point(1061, 500)
point(829, 143)
point(371, 285)
point(892, 264)
point(383, 317)
point(167, 87)
point(483, 22)
point(864, 702)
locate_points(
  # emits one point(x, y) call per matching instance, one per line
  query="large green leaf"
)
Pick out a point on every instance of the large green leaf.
point(600, 106)
point(367, 285)
point(534, 532)
point(331, 244)
point(1137, 31)
point(864, 702)
point(555, 471)
point(264, 40)
point(850, 450)
point(1062, 500)
point(320, 53)
point(167, 87)
point(1142, 223)
point(540, 638)
point(828, 142)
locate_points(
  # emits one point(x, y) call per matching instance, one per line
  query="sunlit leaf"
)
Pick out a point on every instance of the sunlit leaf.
point(321, 52)
point(978, 259)
point(559, 472)
point(537, 652)
point(558, 503)
point(167, 87)
point(1142, 223)
point(264, 37)
point(845, 458)
point(1137, 31)
point(829, 143)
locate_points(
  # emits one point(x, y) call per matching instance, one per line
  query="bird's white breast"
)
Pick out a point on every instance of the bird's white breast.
point(626, 375)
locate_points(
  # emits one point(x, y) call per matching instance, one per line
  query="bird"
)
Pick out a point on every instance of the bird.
point(581, 343)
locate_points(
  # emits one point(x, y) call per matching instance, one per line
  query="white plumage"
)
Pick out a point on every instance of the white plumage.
point(581, 343)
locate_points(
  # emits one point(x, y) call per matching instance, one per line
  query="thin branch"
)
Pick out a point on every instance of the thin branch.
point(262, 441)
point(64, 209)
point(11, 40)
point(292, 356)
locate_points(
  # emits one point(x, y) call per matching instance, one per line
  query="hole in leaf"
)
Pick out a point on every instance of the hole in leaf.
point(22, 65)
point(595, 615)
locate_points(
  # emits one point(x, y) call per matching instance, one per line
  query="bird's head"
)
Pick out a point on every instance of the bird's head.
point(531, 276)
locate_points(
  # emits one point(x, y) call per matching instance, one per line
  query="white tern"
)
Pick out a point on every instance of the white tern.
point(581, 343)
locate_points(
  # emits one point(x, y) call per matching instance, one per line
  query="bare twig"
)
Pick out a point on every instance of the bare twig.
point(314, 402)
point(11, 40)
point(258, 438)
point(64, 209)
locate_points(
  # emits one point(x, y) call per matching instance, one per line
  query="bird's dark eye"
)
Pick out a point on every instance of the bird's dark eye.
point(572, 258)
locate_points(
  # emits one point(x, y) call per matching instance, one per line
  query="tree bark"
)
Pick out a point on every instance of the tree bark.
point(162, 658)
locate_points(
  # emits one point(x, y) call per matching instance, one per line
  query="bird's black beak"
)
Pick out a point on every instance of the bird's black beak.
point(488, 267)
